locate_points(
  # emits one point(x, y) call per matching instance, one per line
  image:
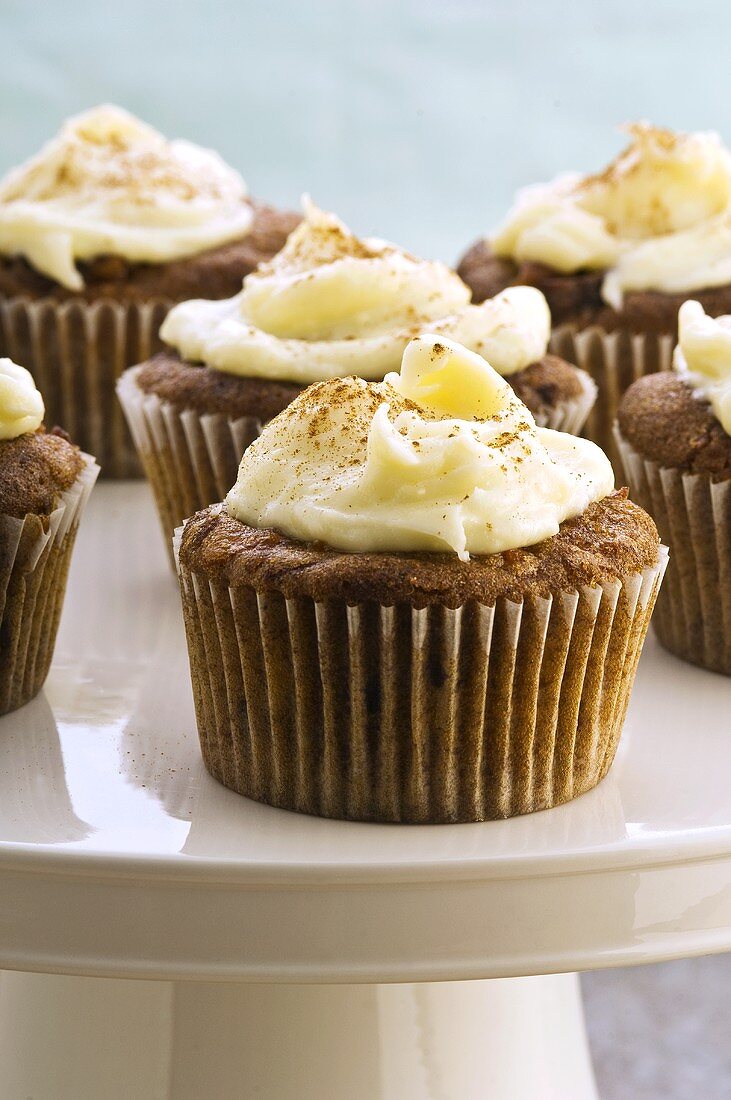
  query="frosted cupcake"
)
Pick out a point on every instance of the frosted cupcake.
point(44, 484)
point(100, 233)
point(617, 253)
point(414, 604)
point(674, 436)
point(328, 305)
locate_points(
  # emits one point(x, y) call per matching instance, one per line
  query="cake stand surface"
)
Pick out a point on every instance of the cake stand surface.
point(297, 957)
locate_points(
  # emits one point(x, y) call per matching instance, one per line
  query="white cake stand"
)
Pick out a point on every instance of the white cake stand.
point(272, 940)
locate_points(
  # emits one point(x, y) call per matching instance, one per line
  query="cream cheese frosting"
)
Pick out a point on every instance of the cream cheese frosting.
point(330, 304)
point(110, 184)
point(21, 405)
point(441, 457)
point(657, 218)
point(703, 358)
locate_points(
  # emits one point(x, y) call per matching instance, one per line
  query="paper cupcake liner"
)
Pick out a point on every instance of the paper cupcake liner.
point(35, 553)
point(614, 360)
point(397, 714)
point(190, 459)
point(76, 350)
point(693, 515)
point(570, 416)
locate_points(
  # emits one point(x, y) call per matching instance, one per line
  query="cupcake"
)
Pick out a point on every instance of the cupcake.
point(44, 484)
point(674, 437)
point(616, 254)
point(99, 234)
point(414, 605)
point(328, 305)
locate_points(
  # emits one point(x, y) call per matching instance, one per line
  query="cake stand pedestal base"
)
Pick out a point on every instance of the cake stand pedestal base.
point(70, 1038)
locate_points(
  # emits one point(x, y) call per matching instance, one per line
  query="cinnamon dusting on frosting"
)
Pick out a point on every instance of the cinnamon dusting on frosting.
point(442, 456)
point(110, 185)
point(330, 304)
point(658, 217)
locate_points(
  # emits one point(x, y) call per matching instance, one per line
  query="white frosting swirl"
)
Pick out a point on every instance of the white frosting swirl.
point(21, 405)
point(703, 358)
point(441, 457)
point(330, 304)
point(658, 218)
point(109, 184)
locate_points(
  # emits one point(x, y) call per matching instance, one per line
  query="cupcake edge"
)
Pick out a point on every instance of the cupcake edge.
point(693, 513)
point(301, 704)
point(75, 352)
point(613, 360)
point(34, 564)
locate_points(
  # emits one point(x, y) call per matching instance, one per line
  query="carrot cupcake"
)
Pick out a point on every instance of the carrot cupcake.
point(44, 484)
point(414, 604)
point(617, 253)
point(674, 436)
point(100, 233)
point(328, 305)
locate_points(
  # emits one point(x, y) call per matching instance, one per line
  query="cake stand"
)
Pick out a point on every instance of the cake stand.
point(287, 956)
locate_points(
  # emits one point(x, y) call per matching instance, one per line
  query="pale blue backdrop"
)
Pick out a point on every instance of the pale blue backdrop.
point(415, 119)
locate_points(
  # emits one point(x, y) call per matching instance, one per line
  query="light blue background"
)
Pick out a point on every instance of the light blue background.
point(413, 120)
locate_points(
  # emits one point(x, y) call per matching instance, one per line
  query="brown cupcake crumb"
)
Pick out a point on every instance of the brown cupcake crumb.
point(662, 419)
point(216, 273)
point(612, 538)
point(541, 386)
point(547, 383)
point(194, 386)
point(484, 273)
point(576, 298)
point(35, 469)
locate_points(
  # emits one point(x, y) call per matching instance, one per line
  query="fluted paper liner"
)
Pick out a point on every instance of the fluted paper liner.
point(190, 459)
point(398, 714)
point(75, 351)
point(693, 515)
point(35, 553)
point(614, 360)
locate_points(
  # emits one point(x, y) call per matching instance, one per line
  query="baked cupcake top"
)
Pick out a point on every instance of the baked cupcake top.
point(441, 457)
point(657, 218)
point(682, 418)
point(35, 465)
point(108, 184)
point(330, 304)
